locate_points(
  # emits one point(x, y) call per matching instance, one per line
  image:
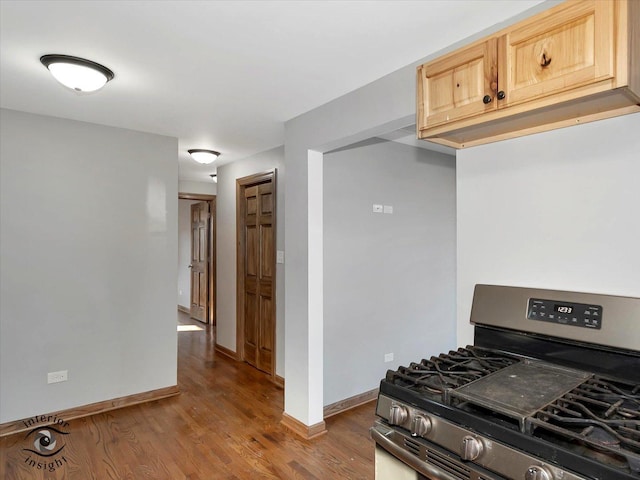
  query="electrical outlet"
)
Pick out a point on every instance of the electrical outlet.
point(55, 377)
point(388, 357)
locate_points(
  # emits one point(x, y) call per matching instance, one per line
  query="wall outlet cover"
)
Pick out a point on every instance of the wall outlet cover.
point(55, 377)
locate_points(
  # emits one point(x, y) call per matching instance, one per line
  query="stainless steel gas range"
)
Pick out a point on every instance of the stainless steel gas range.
point(550, 390)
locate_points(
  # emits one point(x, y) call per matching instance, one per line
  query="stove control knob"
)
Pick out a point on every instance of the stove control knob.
point(471, 448)
point(398, 415)
point(536, 472)
point(420, 426)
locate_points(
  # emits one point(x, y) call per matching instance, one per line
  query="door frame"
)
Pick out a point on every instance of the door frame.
point(211, 280)
point(241, 185)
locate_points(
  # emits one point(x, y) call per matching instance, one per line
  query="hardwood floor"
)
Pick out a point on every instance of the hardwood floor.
point(224, 425)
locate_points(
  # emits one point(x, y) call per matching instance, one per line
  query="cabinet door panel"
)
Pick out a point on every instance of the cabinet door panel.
point(454, 87)
point(572, 48)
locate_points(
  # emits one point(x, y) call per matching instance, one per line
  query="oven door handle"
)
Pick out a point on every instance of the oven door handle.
point(401, 454)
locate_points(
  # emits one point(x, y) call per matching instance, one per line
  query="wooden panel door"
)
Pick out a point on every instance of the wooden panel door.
point(259, 321)
point(459, 85)
point(574, 47)
point(199, 260)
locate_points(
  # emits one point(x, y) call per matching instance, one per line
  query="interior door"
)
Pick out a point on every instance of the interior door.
point(199, 260)
point(259, 321)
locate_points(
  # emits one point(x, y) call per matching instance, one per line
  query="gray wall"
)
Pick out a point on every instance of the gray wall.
point(376, 108)
point(557, 210)
point(386, 274)
point(226, 246)
point(88, 242)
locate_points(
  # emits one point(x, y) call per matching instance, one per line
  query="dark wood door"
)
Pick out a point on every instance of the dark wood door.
point(199, 260)
point(259, 321)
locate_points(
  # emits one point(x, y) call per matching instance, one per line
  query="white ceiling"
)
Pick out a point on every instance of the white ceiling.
point(224, 75)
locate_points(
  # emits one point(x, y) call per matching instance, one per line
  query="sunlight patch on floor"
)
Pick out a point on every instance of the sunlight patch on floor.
point(189, 328)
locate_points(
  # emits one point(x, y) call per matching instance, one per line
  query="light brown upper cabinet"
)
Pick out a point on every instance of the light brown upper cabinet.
point(574, 63)
point(459, 85)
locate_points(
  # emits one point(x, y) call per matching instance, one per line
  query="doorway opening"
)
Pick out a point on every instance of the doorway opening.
point(202, 263)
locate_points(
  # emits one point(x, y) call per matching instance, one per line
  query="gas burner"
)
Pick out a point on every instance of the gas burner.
point(601, 414)
point(440, 374)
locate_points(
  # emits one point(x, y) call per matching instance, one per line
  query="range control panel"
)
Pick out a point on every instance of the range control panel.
point(566, 313)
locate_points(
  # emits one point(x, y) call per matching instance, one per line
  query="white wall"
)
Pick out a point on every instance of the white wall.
point(88, 246)
point(557, 210)
point(389, 279)
point(202, 188)
point(184, 252)
point(226, 246)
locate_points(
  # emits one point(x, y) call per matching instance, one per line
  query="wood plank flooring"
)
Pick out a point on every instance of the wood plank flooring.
point(224, 425)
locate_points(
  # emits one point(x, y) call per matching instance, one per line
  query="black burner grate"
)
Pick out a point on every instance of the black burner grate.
point(439, 375)
point(601, 414)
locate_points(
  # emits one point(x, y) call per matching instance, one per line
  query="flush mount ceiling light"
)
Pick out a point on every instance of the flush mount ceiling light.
point(76, 73)
point(214, 177)
point(203, 156)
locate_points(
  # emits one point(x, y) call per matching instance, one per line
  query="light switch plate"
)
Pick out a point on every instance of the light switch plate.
point(377, 208)
point(388, 209)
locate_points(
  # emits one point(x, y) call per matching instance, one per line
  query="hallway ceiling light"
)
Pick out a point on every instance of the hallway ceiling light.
point(203, 156)
point(214, 177)
point(76, 73)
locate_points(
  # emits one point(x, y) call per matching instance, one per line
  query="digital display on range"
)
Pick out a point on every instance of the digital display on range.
point(562, 308)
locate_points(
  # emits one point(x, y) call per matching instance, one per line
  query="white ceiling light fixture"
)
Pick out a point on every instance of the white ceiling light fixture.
point(203, 156)
point(214, 177)
point(77, 73)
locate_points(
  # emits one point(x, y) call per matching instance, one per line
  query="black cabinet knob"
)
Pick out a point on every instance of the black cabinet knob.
point(486, 99)
point(501, 95)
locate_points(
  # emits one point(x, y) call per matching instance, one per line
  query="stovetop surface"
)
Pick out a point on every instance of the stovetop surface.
point(593, 423)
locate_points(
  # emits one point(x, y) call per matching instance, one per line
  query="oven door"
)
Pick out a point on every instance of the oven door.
point(401, 457)
point(389, 467)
